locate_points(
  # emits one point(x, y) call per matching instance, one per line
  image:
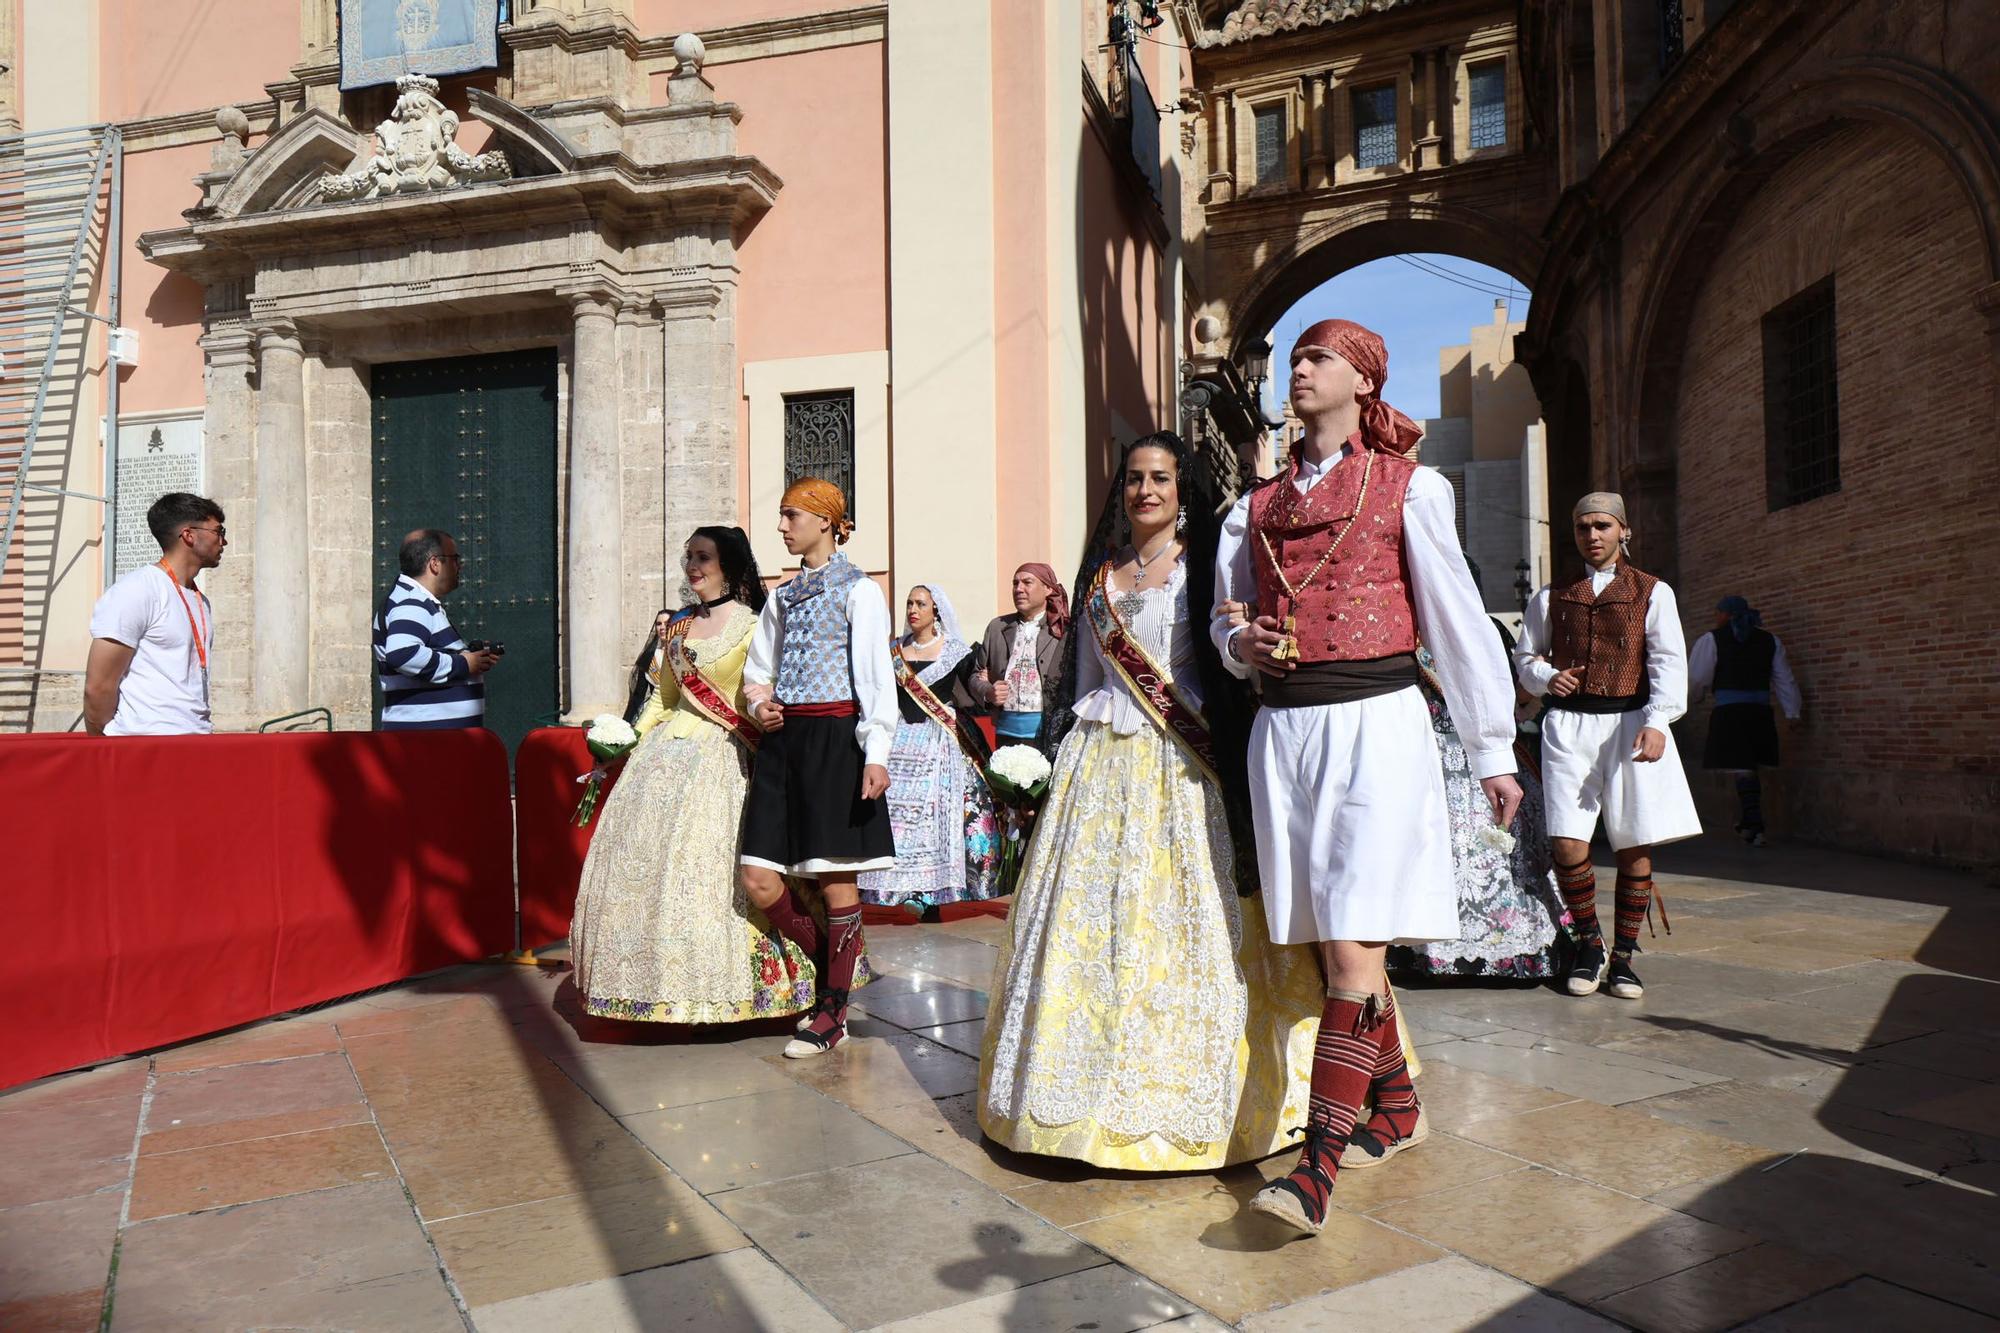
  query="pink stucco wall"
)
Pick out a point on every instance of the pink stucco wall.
point(1120, 290)
point(165, 56)
point(1021, 316)
point(815, 268)
point(165, 307)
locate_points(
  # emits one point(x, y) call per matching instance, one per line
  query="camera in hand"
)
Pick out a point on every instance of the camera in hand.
point(480, 645)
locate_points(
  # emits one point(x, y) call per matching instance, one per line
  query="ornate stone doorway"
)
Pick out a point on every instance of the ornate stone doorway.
point(606, 232)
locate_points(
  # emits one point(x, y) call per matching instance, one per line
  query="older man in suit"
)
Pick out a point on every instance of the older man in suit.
point(1021, 659)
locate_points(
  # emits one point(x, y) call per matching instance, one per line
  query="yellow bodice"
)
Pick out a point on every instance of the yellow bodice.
point(720, 658)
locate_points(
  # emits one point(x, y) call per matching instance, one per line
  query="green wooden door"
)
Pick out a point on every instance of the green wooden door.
point(468, 444)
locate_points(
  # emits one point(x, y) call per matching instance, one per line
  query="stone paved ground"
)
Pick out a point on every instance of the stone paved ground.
point(1799, 1128)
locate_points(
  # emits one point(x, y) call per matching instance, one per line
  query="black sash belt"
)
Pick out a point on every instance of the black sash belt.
point(1601, 703)
point(1315, 684)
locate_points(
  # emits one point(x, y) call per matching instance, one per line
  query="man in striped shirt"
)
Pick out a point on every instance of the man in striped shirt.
point(430, 679)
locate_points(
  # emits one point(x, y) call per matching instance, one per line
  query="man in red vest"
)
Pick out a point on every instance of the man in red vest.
point(1608, 652)
point(1350, 556)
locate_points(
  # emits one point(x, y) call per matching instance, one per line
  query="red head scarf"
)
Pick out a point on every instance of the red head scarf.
point(1382, 426)
point(1057, 615)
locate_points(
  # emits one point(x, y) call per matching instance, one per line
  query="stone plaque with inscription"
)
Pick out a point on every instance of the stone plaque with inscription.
point(155, 455)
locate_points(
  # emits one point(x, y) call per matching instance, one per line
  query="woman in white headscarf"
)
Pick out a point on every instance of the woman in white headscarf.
point(947, 831)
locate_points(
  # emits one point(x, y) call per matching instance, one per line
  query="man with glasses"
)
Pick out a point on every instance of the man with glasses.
point(151, 632)
point(431, 680)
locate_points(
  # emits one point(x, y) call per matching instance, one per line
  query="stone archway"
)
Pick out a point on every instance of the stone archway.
point(321, 254)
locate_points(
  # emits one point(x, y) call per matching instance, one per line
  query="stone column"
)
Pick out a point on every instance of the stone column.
point(1318, 132)
point(590, 599)
point(698, 403)
point(1221, 150)
point(228, 434)
point(280, 587)
point(1426, 88)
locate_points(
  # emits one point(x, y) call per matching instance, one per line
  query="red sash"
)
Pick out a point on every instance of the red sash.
point(933, 707)
point(1150, 682)
point(707, 700)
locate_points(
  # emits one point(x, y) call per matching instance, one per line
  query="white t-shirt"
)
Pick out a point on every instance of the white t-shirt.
point(165, 691)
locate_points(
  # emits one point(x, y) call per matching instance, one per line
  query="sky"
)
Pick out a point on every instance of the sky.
point(1416, 314)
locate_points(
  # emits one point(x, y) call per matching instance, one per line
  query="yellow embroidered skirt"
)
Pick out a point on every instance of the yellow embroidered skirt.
point(1140, 1016)
point(661, 931)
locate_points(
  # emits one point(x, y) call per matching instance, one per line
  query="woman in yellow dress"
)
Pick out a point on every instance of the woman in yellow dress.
point(1141, 1018)
point(661, 931)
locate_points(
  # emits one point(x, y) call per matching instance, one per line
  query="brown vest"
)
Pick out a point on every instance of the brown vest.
point(1604, 633)
point(1358, 607)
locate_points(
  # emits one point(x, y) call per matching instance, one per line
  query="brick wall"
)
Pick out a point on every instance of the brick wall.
point(1883, 591)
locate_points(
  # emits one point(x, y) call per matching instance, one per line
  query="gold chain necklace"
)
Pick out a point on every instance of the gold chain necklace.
point(1287, 649)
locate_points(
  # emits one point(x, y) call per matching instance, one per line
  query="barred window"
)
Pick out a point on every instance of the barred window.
point(1801, 399)
point(819, 439)
point(1375, 126)
point(1489, 104)
point(1270, 144)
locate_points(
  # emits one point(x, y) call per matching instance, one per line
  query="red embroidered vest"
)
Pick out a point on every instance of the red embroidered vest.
point(1358, 606)
point(1604, 633)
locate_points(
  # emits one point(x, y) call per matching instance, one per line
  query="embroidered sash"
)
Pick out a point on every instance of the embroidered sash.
point(933, 707)
point(1150, 683)
point(707, 700)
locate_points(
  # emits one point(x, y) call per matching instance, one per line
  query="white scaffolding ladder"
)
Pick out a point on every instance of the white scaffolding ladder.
point(59, 272)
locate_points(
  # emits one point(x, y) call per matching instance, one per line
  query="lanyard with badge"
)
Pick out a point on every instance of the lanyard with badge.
point(200, 631)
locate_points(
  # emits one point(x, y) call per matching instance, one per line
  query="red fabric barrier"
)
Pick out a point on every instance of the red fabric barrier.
point(548, 848)
point(158, 889)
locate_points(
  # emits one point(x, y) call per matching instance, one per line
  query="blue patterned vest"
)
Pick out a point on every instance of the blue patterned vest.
point(813, 663)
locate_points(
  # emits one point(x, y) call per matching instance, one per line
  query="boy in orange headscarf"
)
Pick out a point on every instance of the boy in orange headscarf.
point(821, 686)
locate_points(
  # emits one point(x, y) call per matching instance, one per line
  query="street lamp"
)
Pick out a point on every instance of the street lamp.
point(1257, 364)
point(1522, 587)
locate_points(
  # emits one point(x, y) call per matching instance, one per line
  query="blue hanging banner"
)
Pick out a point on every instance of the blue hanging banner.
point(382, 40)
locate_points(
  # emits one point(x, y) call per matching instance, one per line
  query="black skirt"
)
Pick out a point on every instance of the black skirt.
point(805, 803)
point(1741, 736)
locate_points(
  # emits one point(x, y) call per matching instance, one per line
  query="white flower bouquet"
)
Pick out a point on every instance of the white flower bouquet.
point(1019, 777)
point(610, 739)
point(1496, 838)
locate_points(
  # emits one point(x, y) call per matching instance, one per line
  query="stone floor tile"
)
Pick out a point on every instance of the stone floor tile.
point(1193, 1323)
point(1601, 1075)
point(1911, 1230)
point(1430, 1021)
point(1109, 1297)
point(1964, 1054)
point(1212, 1250)
point(279, 1039)
point(59, 1149)
point(967, 962)
point(1919, 997)
point(1456, 1095)
point(345, 1258)
point(54, 1259)
point(1438, 1297)
point(737, 1292)
point(400, 1010)
point(950, 1003)
point(1811, 954)
point(1704, 973)
point(948, 1130)
point(1070, 1203)
point(965, 1038)
point(870, 1073)
point(1776, 1042)
point(898, 1238)
point(766, 1136)
point(1871, 1304)
point(602, 1233)
point(1976, 1109)
point(1441, 1162)
point(1585, 1242)
point(1612, 1146)
point(198, 1179)
point(626, 1080)
point(246, 1101)
point(1788, 1121)
point(1724, 1292)
point(118, 1079)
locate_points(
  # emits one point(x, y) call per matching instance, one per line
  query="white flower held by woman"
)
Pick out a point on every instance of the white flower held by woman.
point(611, 731)
point(1022, 765)
point(1496, 838)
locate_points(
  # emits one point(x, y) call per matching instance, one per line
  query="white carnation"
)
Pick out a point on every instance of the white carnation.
point(1022, 765)
point(1496, 838)
point(610, 730)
